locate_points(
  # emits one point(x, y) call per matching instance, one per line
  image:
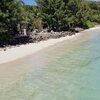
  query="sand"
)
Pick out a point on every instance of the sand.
point(12, 54)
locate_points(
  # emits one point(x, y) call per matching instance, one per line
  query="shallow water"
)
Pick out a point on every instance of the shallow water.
point(67, 71)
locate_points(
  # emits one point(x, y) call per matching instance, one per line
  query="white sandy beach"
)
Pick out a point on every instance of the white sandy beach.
point(15, 53)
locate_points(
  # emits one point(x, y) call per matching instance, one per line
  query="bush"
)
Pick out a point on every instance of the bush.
point(89, 24)
point(38, 24)
point(5, 38)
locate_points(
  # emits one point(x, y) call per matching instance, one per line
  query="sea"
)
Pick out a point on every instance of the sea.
point(69, 70)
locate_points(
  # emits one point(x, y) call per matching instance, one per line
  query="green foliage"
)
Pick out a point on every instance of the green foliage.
point(53, 13)
point(89, 24)
point(38, 24)
point(95, 9)
point(5, 38)
point(7, 14)
point(57, 14)
point(79, 12)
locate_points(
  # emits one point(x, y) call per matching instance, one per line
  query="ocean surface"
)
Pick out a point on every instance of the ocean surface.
point(69, 70)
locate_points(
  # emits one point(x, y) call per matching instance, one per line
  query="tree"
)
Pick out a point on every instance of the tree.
point(79, 12)
point(8, 19)
point(53, 13)
point(95, 9)
point(11, 11)
point(33, 17)
point(7, 14)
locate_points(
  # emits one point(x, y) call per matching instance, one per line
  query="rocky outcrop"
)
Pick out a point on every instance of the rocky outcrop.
point(35, 36)
point(50, 35)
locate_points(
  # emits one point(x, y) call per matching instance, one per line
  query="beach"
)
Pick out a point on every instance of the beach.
point(67, 70)
point(12, 54)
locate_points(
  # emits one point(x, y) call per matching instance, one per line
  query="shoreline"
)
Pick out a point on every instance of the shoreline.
point(12, 54)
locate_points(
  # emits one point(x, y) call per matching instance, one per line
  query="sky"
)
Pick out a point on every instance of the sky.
point(29, 2)
point(32, 2)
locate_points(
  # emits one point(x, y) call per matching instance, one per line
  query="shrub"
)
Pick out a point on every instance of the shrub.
point(5, 38)
point(89, 24)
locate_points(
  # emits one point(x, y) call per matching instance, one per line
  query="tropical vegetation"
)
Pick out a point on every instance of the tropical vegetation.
point(56, 15)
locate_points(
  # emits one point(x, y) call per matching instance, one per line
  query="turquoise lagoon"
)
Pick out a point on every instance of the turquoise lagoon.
point(69, 70)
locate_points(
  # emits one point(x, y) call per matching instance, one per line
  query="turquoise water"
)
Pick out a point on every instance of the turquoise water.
point(67, 71)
